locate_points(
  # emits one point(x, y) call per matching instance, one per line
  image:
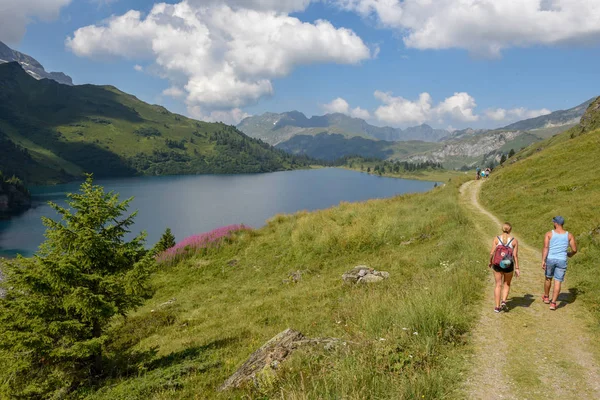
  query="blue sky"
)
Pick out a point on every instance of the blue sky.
point(393, 63)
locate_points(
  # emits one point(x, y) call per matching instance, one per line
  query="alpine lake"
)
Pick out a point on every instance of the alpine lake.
point(195, 204)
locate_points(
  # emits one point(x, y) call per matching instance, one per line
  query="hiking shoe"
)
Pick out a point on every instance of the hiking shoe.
point(546, 299)
point(497, 309)
point(503, 306)
point(553, 306)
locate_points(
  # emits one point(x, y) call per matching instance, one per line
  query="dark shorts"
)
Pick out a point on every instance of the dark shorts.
point(504, 270)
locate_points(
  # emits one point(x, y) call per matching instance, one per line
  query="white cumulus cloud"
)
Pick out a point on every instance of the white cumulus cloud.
point(231, 117)
point(174, 92)
point(224, 58)
point(341, 106)
point(360, 113)
point(338, 105)
point(268, 5)
point(138, 68)
point(484, 27)
point(400, 111)
point(15, 15)
point(501, 114)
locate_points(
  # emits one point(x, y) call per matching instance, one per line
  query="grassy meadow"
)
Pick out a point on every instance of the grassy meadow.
point(404, 338)
point(556, 177)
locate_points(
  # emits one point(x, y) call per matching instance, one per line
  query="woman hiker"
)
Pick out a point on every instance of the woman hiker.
point(504, 260)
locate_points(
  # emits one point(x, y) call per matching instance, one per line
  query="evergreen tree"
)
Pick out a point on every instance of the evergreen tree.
point(502, 159)
point(58, 304)
point(511, 153)
point(368, 170)
point(166, 241)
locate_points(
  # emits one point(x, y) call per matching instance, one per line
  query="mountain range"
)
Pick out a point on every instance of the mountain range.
point(336, 135)
point(31, 65)
point(278, 128)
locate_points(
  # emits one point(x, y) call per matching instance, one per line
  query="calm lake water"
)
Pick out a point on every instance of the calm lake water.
point(195, 204)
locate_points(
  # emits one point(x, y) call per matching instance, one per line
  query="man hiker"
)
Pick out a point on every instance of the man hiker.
point(554, 258)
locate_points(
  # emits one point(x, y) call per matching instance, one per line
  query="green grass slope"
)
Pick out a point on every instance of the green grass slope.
point(405, 338)
point(558, 176)
point(67, 130)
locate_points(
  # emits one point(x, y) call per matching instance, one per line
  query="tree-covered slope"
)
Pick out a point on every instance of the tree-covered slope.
point(62, 131)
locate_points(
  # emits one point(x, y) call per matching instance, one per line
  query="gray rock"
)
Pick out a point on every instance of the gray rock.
point(371, 279)
point(364, 274)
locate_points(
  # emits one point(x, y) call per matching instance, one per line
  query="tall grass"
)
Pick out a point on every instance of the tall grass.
point(404, 338)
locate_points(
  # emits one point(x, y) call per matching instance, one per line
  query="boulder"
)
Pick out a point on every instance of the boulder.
point(364, 274)
point(370, 279)
point(270, 356)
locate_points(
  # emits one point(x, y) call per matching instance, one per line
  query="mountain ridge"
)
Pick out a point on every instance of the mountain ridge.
point(276, 128)
point(31, 65)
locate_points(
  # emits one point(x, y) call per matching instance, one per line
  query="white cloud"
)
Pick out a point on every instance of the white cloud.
point(260, 5)
point(338, 105)
point(460, 107)
point(230, 117)
point(501, 114)
point(360, 113)
point(174, 92)
point(225, 58)
point(341, 106)
point(484, 27)
point(399, 111)
point(496, 114)
point(138, 68)
point(16, 15)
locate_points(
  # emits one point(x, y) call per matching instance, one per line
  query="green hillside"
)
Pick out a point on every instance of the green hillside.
point(402, 338)
point(54, 132)
point(558, 176)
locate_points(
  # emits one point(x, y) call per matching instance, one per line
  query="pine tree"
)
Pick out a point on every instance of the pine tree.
point(166, 241)
point(502, 159)
point(58, 304)
point(511, 153)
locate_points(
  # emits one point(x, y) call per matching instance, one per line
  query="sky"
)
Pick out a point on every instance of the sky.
point(448, 63)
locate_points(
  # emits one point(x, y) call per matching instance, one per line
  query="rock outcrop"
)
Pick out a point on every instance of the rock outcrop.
point(271, 355)
point(14, 197)
point(364, 274)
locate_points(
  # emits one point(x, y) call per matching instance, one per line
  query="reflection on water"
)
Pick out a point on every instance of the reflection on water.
point(196, 204)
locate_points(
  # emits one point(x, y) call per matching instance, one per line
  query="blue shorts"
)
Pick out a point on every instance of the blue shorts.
point(556, 269)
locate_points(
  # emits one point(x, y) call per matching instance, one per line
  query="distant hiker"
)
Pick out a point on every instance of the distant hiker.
point(487, 172)
point(478, 173)
point(504, 260)
point(554, 258)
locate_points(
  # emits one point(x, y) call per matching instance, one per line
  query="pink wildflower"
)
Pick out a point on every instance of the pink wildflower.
point(194, 243)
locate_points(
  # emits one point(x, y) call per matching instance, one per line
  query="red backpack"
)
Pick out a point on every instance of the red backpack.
point(503, 252)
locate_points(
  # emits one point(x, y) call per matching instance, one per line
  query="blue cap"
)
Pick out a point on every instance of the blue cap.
point(559, 220)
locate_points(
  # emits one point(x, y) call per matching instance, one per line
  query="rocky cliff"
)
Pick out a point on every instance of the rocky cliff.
point(14, 197)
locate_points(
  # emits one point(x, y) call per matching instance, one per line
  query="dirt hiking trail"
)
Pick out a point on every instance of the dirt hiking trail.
point(528, 352)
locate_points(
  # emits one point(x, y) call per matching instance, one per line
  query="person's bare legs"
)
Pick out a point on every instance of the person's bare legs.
point(498, 287)
point(557, 285)
point(547, 284)
point(506, 289)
